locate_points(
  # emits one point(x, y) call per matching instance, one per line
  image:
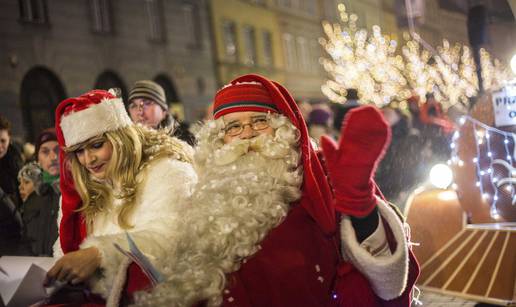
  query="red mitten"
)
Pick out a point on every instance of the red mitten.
point(351, 164)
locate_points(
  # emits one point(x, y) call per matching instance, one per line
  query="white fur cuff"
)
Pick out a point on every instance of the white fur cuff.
point(112, 262)
point(108, 115)
point(387, 274)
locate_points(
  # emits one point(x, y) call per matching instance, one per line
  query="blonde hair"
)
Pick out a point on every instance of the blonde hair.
point(134, 147)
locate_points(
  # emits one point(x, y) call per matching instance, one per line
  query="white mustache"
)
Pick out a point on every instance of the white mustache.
point(262, 144)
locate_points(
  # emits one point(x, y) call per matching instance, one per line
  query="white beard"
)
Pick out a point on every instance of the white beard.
point(245, 189)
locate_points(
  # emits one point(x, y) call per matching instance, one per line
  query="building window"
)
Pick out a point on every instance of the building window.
point(34, 11)
point(250, 46)
point(259, 2)
point(192, 25)
point(284, 3)
point(268, 57)
point(290, 51)
point(156, 20)
point(230, 41)
point(315, 55)
point(330, 10)
point(303, 55)
point(309, 6)
point(101, 16)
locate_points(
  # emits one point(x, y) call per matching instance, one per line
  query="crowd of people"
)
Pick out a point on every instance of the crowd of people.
point(250, 212)
point(421, 134)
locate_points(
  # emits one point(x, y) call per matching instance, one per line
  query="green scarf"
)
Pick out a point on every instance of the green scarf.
point(50, 179)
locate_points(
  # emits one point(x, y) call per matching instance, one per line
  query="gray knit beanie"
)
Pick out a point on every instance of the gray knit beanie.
point(150, 90)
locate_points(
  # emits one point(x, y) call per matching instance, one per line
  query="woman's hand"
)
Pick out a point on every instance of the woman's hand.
point(76, 267)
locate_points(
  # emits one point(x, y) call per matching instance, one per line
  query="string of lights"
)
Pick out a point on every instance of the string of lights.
point(489, 182)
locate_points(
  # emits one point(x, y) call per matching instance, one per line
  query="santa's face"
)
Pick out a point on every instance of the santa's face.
point(245, 125)
point(95, 156)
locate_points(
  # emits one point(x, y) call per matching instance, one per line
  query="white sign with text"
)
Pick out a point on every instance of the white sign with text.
point(504, 106)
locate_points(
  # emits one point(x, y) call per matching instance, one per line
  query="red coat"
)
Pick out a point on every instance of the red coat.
point(298, 265)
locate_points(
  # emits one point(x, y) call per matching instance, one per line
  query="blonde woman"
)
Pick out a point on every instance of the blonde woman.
point(116, 177)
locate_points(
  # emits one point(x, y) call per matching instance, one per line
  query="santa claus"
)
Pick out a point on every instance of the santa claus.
point(267, 225)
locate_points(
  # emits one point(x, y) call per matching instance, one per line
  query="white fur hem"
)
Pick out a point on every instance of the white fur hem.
point(118, 284)
point(387, 274)
point(112, 261)
point(108, 115)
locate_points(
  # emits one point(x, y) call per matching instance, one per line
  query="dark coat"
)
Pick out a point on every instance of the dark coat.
point(11, 227)
point(299, 265)
point(40, 219)
point(10, 165)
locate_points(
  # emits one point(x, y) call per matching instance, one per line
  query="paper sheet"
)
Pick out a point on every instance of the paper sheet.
point(22, 278)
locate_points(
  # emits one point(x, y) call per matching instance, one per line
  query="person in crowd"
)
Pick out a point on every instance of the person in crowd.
point(148, 106)
point(117, 178)
point(10, 163)
point(266, 227)
point(433, 116)
point(400, 170)
point(47, 156)
point(11, 227)
point(29, 177)
point(352, 101)
point(11, 224)
point(319, 123)
point(39, 210)
point(413, 105)
point(437, 128)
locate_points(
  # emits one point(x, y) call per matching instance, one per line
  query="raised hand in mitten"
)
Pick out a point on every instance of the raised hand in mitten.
point(351, 164)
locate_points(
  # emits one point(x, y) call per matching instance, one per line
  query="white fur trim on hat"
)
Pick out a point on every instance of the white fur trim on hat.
point(387, 273)
point(108, 115)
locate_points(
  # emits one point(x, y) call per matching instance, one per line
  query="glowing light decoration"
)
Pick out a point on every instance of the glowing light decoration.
point(488, 181)
point(366, 61)
point(494, 74)
point(371, 62)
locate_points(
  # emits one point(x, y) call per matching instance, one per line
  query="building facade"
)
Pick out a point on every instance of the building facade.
point(300, 26)
point(247, 39)
point(57, 49)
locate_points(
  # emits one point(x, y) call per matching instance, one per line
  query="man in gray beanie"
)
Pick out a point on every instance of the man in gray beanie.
point(148, 105)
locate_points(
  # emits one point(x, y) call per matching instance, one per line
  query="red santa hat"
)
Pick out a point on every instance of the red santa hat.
point(256, 93)
point(242, 97)
point(77, 120)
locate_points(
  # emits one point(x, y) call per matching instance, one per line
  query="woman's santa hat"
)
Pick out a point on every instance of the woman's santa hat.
point(256, 93)
point(77, 120)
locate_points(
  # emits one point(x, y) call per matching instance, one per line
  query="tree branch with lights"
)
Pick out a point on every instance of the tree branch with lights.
point(371, 63)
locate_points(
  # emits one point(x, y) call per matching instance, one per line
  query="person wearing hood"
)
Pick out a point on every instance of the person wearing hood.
point(39, 210)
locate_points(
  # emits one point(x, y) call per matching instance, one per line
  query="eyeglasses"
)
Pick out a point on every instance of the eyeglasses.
point(257, 123)
point(144, 104)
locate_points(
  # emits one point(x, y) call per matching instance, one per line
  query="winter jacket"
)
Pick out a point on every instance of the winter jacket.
point(40, 220)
